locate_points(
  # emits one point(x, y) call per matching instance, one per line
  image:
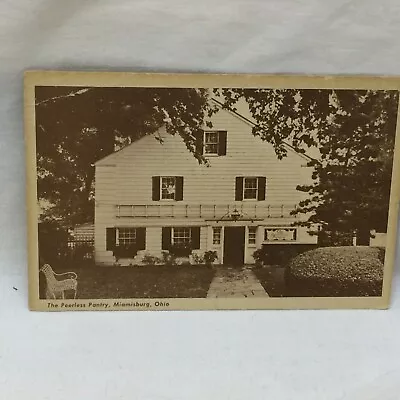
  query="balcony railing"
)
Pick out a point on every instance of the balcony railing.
point(242, 211)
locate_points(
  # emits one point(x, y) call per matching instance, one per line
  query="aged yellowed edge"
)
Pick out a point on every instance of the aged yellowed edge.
point(116, 79)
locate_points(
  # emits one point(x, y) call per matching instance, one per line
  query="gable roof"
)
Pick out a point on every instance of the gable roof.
point(252, 124)
point(232, 112)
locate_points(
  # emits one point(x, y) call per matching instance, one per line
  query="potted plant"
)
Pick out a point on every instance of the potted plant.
point(210, 256)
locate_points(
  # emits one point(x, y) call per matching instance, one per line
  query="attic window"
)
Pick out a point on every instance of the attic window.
point(214, 143)
point(211, 143)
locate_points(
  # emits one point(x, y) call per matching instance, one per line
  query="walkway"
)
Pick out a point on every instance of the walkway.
point(235, 282)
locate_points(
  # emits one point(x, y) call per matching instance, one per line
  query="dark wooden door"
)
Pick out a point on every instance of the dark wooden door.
point(234, 245)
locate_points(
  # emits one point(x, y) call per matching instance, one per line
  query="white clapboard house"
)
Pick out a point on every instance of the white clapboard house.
point(156, 195)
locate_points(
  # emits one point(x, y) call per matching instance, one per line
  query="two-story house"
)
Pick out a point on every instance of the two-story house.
point(155, 195)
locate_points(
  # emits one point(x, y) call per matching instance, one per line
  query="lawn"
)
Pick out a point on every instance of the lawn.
point(272, 279)
point(101, 282)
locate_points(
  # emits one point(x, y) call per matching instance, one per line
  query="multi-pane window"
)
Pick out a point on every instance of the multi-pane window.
point(250, 188)
point(126, 236)
point(181, 236)
point(217, 235)
point(168, 187)
point(211, 142)
point(252, 234)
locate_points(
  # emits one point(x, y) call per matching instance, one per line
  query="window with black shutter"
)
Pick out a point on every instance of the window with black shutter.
point(239, 188)
point(166, 238)
point(195, 237)
point(200, 142)
point(262, 184)
point(156, 188)
point(111, 237)
point(169, 188)
point(222, 136)
point(215, 143)
point(141, 238)
point(250, 188)
point(179, 188)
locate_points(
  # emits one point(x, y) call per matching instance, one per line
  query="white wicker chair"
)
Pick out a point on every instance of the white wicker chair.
point(55, 287)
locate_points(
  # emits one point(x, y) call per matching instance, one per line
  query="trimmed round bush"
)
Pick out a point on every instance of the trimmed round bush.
point(344, 271)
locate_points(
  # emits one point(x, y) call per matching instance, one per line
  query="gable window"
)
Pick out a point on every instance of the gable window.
point(252, 235)
point(211, 143)
point(167, 188)
point(250, 188)
point(217, 235)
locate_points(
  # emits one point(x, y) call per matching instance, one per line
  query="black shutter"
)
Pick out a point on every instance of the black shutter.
point(179, 188)
point(195, 237)
point(261, 187)
point(156, 188)
point(222, 143)
point(141, 238)
point(111, 236)
point(166, 238)
point(239, 188)
point(199, 142)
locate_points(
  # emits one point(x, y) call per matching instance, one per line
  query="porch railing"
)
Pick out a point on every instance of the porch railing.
point(205, 211)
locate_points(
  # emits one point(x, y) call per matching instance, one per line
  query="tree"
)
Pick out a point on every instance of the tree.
point(76, 126)
point(354, 132)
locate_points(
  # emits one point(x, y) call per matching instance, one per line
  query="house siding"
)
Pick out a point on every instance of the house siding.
point(125, 178)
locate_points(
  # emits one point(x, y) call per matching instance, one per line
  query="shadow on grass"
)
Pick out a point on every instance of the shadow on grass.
point(112, 282)
point(272, 279)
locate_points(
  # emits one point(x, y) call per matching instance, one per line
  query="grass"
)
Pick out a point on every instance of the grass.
point(272, 279)
point(109, 282)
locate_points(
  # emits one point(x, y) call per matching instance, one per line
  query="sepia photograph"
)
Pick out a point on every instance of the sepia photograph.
point(147, 196)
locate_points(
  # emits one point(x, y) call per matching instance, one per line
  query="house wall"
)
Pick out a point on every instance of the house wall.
point(125, 177)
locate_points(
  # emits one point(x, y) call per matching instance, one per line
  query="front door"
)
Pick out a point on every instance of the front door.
point(234, 245)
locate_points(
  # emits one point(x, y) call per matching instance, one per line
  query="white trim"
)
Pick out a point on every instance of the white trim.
point(248, 236)
point(180, 227)
point(244, 188)
point(213, 235)
point(117, 233)
point(205, 143)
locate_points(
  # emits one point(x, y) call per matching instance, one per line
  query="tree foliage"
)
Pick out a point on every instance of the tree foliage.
point(77, 126)
point(354, 132)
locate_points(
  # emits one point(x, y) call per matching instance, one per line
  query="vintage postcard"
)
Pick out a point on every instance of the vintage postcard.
point(201, 191)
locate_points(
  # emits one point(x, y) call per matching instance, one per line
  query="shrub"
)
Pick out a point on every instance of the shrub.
point(125, 251)
point(336, 271)
point(151, 260)
point(180, 250)
point(168, 259)
point(83, 252)
point(210, 256)
point(279, 254)
point(197, 259)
